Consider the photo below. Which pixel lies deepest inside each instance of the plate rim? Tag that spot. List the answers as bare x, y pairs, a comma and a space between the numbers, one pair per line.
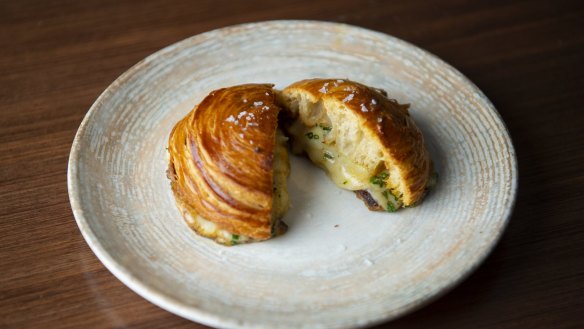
192, 313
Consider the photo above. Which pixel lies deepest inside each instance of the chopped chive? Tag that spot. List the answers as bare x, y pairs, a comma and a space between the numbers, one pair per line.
389, 195
325, 128
345, 182
390, 207
328, 156
234, 239
379, 179
311, 135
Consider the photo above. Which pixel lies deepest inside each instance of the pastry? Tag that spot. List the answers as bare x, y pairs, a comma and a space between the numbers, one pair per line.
228, 165
365, 141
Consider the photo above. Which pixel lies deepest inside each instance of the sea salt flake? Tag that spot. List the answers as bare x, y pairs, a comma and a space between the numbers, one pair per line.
245, 100
230, 119
241, 135
258, 103
379, 119
323, 90
267, 94
240, 115
373, 101
364, 108
340, 81
348, 98
251, 142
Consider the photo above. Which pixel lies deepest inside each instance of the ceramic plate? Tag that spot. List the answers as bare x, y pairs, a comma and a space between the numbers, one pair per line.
339, 265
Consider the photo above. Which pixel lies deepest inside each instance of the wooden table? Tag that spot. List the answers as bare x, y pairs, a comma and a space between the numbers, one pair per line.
56, 57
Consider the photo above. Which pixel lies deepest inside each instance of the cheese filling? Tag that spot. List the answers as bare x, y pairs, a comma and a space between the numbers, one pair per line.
319, 143
209, 229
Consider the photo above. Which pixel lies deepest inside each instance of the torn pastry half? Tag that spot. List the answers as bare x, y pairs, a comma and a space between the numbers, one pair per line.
228, 166
364, 140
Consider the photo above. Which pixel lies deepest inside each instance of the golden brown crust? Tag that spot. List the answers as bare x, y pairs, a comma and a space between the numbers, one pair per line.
386, 119
221, 159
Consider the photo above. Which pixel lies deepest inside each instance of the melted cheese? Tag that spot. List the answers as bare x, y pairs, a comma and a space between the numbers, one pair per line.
323, 152
209, 229
320, 146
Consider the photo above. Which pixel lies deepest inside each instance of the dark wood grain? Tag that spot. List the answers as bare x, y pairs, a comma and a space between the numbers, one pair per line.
56, 57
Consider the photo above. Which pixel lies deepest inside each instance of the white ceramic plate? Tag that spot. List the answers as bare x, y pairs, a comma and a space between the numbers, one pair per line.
339, 265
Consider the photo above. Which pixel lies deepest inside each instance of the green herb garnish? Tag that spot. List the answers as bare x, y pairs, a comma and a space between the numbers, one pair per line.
345, 182
325, 128
389, 193
390, 207
379, 179
376, 181
234, 239
311, 135
328, 156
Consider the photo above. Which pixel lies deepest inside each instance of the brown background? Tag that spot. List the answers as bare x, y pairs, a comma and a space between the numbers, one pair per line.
57, 57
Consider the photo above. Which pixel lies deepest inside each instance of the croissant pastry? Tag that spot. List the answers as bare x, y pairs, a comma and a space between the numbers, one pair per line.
228, 165
365, 141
